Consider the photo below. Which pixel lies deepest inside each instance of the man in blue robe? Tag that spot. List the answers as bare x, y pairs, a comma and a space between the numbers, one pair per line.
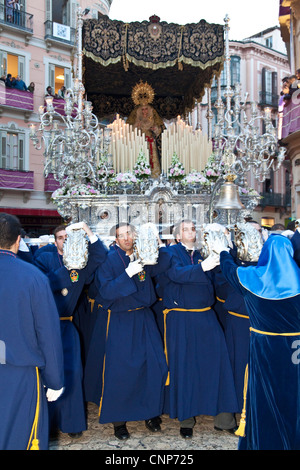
200, 375
31, 356
126, 369
68, 413
271, 290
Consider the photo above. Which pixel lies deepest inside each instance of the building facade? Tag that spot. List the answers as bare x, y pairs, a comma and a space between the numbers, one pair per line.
289, 18
38, 44
259, 64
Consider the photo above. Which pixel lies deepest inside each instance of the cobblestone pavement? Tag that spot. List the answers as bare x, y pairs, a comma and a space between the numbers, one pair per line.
101, 437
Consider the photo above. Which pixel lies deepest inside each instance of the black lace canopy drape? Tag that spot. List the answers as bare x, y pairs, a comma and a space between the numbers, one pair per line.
177, 61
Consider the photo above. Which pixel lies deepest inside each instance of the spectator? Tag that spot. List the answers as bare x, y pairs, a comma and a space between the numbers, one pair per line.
61, 92
17, 8
19, 84
49, 91
9, 10
31, 87
8, 81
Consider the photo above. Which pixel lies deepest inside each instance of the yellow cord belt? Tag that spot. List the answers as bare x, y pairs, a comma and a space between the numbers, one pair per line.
165, 312
241, 429
34, 440
103, 368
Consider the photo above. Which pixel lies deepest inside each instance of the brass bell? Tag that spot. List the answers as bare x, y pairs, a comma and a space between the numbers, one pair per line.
229, 197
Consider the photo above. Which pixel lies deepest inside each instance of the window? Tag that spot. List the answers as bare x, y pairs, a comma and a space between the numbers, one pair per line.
61, 12
269, 95
235, 75
12, 150
269, 42
58, 76
13, 64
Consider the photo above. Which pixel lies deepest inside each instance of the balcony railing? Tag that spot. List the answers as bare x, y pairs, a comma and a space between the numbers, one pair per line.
59, 32
291, 116
268, 99
275, 199
18, 19
14, 98
16, 179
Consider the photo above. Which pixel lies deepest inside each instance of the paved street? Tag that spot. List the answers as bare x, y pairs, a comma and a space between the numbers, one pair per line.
101, 437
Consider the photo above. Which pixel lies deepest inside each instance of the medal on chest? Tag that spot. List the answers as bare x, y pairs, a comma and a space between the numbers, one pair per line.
74, 276
142, 275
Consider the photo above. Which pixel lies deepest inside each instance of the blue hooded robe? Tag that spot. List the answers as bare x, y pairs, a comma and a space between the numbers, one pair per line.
126, 367
32, 355
68, 412
271, 291
200, 375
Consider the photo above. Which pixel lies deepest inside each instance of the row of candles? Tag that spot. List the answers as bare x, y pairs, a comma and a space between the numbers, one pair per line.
191, 146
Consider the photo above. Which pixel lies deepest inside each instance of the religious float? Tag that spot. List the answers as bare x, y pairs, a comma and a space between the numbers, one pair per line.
123, 149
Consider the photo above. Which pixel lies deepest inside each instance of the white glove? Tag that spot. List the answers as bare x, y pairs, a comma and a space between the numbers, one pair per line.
75, 226
210, 262
134, 267
53, 395
219, 246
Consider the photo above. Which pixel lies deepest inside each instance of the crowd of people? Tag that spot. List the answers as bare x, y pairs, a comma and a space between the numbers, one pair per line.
182, 335
16, 83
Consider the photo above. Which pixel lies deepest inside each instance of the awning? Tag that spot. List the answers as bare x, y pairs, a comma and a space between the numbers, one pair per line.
178, 61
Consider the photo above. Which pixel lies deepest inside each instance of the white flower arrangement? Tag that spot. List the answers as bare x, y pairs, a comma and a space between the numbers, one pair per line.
212, 170
77, 190
249, 192
195, 177
126, 177
142, 168
103, 170
83, 190
176, 171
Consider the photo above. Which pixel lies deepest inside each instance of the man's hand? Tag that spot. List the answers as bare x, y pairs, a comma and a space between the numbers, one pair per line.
210, 262
134, 267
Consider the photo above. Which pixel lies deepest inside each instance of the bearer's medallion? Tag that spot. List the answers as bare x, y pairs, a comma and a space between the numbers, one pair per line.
74, 276
142, 275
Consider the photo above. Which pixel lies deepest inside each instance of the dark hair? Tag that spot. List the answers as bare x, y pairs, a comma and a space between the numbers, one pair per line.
278, 227
177, 226
291, 225
58, 229
10, 229
113, 230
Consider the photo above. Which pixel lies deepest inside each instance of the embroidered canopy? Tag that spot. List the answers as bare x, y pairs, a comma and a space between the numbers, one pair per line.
178, 61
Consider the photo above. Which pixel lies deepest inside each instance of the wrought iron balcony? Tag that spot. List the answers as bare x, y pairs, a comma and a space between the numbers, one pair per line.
18, 20
268, 99
59, 33
277, 200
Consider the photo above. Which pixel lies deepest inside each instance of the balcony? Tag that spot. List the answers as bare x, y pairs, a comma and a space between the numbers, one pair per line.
268, 99
59, 106
291, 116
21, 22
16, 99
16, 179
277, 200
59, 33
51, 184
